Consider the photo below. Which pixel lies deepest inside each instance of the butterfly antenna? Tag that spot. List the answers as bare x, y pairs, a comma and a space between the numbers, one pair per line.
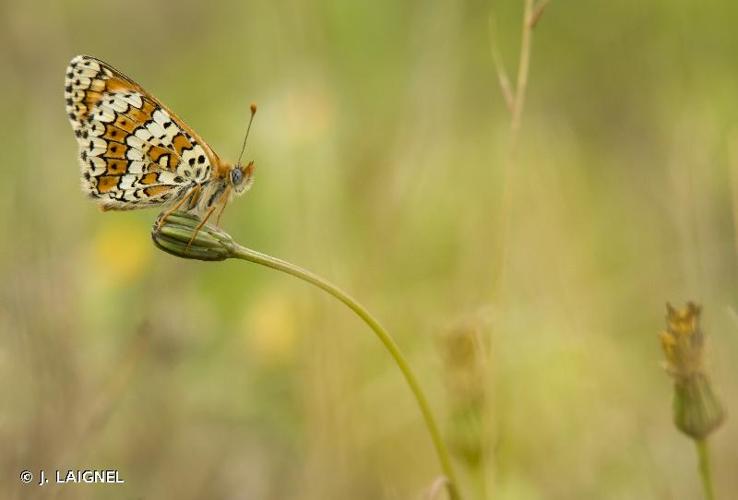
248, 129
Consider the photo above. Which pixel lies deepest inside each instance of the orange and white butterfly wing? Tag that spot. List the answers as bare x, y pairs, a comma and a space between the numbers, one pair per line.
133, 151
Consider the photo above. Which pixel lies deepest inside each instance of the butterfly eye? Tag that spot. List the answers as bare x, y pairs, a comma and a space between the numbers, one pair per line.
236, 176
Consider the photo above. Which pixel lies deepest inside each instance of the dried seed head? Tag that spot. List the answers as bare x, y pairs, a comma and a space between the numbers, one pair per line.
464, 353
697, 411
683, 341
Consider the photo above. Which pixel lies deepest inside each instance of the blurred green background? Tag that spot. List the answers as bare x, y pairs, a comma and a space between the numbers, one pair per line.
380, 146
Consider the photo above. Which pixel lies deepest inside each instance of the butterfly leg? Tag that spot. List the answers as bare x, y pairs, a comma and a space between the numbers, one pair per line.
223, 204
188, 196
201, 224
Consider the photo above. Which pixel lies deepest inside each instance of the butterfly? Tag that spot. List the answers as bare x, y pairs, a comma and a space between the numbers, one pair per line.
134, 152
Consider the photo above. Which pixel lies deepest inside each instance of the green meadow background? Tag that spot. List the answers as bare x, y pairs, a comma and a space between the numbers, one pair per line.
380, 144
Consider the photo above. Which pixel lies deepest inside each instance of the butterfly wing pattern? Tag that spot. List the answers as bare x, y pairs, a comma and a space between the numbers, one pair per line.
133, 151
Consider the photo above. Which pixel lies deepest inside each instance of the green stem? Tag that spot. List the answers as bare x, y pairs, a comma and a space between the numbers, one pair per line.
243, 253
703, 454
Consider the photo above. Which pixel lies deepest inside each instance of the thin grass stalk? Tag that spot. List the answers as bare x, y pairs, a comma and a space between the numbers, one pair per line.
515, 100
703, 455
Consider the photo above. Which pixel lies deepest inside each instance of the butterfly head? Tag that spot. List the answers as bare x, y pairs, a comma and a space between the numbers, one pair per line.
241, 177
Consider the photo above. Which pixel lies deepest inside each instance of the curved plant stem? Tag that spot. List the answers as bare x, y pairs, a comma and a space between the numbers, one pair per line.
183, 235
703, 454
247, 254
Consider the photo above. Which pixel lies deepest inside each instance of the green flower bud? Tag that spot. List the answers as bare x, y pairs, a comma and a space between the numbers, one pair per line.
180, 234
697, 411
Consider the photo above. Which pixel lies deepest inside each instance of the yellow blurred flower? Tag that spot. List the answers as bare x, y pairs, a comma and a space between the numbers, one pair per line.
121, 251
270, 331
